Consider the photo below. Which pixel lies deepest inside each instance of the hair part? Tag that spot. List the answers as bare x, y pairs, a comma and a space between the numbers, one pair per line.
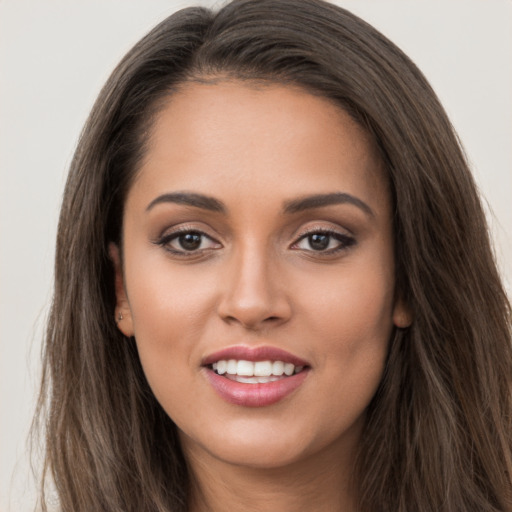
438, 432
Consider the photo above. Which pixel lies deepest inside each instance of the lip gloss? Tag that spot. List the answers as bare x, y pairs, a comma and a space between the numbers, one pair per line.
254, 394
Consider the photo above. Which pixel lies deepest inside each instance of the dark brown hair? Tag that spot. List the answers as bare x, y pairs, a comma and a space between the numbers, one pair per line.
438, 432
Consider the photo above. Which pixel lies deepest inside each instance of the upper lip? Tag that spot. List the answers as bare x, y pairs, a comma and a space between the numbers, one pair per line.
261, 353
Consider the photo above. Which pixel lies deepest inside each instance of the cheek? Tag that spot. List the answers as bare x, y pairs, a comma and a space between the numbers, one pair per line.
170, 308
351, 321
353, 305
358, 313
163, 295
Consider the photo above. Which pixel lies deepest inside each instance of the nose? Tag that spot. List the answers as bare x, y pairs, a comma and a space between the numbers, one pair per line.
253, 292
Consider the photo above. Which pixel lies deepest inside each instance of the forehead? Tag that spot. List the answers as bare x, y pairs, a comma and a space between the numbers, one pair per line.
260, 140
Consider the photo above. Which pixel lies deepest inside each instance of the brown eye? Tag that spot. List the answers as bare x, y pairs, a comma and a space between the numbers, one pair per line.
324, 242
319, 241
188, 242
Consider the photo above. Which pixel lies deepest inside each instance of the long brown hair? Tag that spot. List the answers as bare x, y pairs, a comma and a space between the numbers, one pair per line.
438, 432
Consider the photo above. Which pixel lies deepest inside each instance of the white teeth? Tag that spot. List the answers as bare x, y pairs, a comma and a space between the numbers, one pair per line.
263, 368
259, 371
246, 380
289, 368
277, 368
221, 367
264, 380
232, 366
252, 380
245, 368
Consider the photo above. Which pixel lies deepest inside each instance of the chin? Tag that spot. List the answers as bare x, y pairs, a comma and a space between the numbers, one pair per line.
260, 455
266, 444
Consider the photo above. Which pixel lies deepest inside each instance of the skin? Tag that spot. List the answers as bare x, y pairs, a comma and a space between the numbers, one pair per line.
257, 280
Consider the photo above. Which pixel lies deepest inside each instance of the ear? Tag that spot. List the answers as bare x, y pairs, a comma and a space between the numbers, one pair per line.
123, 314
402, 314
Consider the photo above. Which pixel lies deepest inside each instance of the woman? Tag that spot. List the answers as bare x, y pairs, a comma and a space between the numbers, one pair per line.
274, 284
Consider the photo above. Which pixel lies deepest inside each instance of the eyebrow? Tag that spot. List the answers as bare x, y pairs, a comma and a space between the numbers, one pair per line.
290, 207
189, 199
319, 200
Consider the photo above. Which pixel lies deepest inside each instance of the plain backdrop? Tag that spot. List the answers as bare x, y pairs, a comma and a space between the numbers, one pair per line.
54, 57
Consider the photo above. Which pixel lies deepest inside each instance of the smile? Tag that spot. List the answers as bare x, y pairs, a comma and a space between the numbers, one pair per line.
254, 376
258, 372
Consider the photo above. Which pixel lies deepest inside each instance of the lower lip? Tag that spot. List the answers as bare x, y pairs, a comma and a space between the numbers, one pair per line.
254, 395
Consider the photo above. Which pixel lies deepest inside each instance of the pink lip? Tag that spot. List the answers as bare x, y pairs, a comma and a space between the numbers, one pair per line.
254, 395
264, 353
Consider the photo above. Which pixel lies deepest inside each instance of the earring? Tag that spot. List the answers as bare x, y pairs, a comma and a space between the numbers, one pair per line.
119, 318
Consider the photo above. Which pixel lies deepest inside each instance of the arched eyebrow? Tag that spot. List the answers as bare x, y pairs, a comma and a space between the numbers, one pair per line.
189, 199
320, 200
293, 206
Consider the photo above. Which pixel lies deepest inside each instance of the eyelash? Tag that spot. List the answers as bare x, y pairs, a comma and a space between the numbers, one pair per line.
345, 242
165, 241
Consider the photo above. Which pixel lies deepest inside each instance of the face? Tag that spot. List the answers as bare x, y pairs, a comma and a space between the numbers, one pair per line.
258, 272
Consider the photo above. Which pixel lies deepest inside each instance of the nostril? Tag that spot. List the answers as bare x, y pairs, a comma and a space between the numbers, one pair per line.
254, 311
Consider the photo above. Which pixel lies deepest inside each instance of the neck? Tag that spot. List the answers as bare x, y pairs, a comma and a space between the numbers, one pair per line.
321, 482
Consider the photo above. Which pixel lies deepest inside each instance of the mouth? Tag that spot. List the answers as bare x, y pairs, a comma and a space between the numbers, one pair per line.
255, 377
255, 372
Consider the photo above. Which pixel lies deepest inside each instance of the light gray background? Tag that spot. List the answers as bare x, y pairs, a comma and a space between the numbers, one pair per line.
54, 57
